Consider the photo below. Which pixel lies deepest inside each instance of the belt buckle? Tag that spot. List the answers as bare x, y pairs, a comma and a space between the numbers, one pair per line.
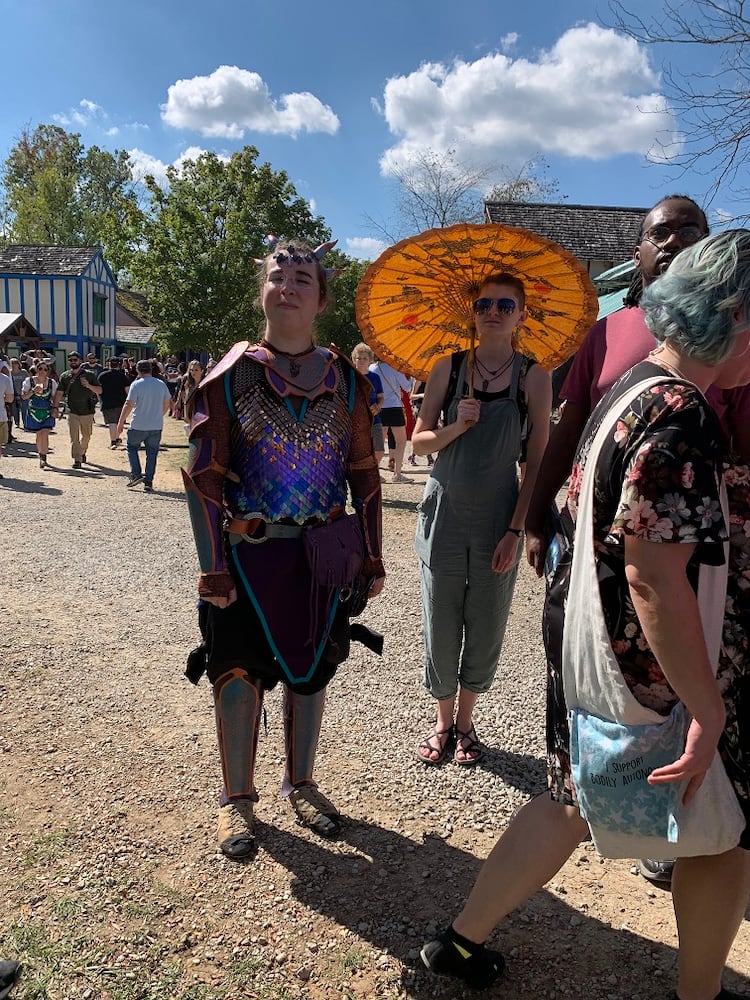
253, 539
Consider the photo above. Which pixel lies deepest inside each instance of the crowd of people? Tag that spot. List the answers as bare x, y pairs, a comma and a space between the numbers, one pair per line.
656, 411
657, 479
654, 442
36, 397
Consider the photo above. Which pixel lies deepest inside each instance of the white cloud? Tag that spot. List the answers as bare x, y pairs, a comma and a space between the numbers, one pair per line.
195, 152
87, 114
143, 163
592, 95
365, 248
232, 101
82, 115
508, 42
313, 205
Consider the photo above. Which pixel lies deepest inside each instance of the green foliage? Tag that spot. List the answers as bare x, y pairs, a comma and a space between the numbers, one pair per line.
338, 324
135, 303
196, 265
46, 846
55, 192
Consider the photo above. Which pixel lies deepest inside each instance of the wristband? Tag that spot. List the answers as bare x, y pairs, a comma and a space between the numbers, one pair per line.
515, 531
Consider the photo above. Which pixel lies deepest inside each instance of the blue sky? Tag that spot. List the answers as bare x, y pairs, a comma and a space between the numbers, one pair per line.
338, 94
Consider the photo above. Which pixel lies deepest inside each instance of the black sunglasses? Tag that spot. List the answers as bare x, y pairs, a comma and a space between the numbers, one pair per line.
504, 306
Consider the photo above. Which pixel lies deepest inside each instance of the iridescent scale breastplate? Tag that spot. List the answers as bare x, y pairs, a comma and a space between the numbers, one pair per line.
289, 453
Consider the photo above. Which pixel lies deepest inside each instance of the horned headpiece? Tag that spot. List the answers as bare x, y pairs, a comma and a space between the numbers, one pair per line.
292, 255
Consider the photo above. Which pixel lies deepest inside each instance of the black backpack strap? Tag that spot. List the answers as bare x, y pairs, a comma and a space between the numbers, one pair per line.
457, 360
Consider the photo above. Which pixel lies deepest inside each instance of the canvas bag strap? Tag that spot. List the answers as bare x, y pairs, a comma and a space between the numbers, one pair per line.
395, 389
592, 678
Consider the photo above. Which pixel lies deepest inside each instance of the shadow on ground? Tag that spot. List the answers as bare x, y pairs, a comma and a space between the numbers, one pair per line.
380, 894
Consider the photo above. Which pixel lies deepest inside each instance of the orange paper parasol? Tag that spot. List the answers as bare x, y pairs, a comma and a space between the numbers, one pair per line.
414, 303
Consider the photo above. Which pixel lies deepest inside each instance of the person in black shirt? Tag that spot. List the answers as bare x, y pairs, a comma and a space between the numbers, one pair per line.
114, 383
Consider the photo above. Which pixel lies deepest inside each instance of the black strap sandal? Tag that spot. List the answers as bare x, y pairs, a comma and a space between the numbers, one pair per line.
467, 743
442, 749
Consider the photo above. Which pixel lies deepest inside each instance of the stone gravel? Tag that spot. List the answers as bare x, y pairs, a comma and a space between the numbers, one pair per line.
112, 882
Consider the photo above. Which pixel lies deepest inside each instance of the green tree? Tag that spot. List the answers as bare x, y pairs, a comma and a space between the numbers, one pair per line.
56, 192
202, 233
338, 324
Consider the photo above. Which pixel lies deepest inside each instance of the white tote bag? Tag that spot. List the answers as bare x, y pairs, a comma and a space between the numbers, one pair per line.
613, 789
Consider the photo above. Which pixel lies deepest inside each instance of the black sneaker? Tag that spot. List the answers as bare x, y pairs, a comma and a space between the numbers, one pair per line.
148, 488
77, 465
133, 481
446, 957
658, 872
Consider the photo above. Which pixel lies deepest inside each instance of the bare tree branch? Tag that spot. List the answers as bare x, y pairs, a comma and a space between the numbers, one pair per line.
437, 190
714, 107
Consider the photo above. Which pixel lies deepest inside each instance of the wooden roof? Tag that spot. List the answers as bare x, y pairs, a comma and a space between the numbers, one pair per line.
136, 335
20, 258
14, 327
589, 232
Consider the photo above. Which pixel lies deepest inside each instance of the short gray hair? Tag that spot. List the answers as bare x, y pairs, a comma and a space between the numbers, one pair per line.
144, 365
693, 304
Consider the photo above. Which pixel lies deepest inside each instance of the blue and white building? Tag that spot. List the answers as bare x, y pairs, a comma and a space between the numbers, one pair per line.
68, 294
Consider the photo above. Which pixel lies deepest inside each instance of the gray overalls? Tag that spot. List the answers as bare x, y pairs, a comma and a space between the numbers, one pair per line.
467, 506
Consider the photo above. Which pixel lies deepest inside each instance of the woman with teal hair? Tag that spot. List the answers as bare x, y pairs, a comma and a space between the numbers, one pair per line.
657, 517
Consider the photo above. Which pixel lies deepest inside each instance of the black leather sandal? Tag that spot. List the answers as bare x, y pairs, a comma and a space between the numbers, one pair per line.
472, 745
442, 749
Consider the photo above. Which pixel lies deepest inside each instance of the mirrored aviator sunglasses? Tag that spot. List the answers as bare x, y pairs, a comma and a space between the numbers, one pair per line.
504, 306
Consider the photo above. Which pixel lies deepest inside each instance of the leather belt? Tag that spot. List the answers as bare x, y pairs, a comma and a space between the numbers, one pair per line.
256, 529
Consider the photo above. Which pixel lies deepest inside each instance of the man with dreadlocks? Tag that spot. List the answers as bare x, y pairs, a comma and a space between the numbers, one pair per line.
612, 347
279, 430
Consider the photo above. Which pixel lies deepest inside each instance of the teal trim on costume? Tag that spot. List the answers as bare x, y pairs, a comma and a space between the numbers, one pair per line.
299, 417
352, 388
269, 637
228, 393
201, 533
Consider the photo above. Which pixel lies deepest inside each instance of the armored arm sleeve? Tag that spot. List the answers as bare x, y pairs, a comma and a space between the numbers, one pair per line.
364, 480
204, 486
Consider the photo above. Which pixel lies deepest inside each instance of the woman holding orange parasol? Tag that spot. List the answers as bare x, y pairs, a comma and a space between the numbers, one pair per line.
472, 514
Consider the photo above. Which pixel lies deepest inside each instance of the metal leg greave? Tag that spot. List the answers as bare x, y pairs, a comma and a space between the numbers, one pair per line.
238, 700
303, 718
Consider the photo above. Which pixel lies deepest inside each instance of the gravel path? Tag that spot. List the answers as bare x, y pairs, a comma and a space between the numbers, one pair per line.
113, 886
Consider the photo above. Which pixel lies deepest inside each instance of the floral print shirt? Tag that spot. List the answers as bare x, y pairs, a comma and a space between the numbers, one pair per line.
657, 478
